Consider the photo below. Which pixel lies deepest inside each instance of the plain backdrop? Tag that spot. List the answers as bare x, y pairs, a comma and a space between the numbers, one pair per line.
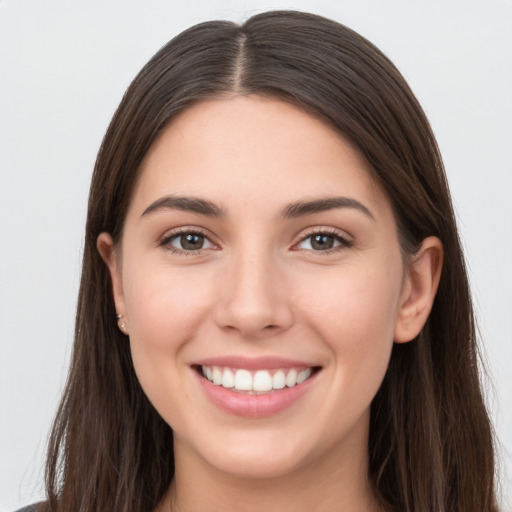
63, 68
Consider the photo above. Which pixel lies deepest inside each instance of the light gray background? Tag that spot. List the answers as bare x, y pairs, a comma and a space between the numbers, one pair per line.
63, 68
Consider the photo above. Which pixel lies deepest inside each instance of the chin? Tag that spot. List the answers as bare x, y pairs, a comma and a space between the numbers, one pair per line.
262, 455
258, 466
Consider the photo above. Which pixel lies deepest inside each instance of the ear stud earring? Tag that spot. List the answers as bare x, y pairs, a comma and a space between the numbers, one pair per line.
122, 324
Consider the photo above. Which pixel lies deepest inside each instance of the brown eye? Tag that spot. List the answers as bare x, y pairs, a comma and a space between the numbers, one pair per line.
188, 241
323, 242
191, 242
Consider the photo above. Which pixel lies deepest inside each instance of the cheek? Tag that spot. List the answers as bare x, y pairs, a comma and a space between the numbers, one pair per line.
165, 305
361, 303
165, 309
354, 312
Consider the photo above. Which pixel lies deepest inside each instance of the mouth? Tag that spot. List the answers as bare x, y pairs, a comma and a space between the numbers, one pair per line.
255, 387
256, 382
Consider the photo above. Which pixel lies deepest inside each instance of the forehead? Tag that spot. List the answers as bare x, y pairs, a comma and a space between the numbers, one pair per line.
250, 151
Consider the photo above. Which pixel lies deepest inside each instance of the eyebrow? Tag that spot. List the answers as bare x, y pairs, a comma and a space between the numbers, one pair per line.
293, 210
187, 204
302, 208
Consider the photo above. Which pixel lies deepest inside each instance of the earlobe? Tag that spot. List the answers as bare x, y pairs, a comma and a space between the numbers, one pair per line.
107, 251
419, 289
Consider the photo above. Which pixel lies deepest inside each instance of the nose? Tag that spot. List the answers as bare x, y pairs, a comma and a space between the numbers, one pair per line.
253, 299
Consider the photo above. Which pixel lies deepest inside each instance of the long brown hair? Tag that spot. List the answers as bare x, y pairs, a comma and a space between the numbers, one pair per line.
430, 438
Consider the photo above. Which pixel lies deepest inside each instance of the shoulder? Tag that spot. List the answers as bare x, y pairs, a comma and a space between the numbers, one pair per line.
29, 508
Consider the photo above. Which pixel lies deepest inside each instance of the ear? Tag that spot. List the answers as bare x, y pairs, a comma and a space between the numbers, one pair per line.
107, 250
419, 289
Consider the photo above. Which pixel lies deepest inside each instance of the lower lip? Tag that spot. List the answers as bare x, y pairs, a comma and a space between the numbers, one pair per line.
266, 404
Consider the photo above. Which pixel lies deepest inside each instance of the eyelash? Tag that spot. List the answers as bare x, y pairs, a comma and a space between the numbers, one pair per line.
344, 243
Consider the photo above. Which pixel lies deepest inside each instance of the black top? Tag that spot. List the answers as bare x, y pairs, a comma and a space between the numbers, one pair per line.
29, 508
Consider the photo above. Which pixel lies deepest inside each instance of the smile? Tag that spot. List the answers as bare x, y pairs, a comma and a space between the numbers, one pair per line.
255, 387
256, 382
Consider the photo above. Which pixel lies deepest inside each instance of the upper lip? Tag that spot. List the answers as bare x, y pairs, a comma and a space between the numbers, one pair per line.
253, 363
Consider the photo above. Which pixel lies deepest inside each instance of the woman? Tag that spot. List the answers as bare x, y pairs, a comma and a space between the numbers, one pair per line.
274, 311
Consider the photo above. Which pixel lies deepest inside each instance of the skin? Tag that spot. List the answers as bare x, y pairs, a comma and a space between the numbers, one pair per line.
258, 287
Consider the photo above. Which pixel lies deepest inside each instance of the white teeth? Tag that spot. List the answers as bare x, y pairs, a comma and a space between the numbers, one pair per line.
279, 380
243, 380
216, 376
291, 378
228, 379
303, 375
261, 381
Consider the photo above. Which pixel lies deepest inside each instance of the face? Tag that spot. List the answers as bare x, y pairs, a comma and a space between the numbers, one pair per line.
262, 285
